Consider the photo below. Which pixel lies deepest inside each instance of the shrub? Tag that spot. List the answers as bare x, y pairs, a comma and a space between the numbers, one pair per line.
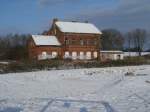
26, 65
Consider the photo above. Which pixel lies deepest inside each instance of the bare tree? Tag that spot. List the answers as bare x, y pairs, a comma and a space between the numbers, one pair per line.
139, 39
13, 46
112, 39
129, 40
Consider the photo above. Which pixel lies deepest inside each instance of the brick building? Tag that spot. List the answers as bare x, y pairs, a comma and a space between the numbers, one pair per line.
64, 40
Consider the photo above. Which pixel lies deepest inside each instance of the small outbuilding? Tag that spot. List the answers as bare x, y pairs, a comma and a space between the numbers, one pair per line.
111, 55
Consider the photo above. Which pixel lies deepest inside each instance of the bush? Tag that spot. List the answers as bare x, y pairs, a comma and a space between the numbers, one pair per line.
26, 66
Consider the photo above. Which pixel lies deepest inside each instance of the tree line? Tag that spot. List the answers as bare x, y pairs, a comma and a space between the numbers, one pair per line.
134, 40
14, 46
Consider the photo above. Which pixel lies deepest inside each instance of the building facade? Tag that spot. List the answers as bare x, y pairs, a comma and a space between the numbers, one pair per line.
66, 40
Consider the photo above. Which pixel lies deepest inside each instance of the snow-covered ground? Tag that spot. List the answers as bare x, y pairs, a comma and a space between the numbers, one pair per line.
80, 90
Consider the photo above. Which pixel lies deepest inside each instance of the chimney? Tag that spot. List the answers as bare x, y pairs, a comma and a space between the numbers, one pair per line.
55, 20
54, 26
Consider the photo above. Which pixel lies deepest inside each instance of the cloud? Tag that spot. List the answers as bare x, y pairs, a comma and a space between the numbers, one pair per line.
126, 15
47, 2
134, 6
123, 15
56, 2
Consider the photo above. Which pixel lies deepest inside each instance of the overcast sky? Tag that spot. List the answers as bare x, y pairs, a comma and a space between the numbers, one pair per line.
34, 16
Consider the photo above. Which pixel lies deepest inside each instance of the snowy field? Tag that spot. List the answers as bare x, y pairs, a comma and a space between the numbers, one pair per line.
80, 90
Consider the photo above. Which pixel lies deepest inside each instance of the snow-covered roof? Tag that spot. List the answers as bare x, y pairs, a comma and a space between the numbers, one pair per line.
45, 40
111, 51
76, 27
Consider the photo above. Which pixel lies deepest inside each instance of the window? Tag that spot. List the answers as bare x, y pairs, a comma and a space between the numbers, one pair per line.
43, 56
81, 55
54, 54
95, 42
74, 55
95, 54
66, 54
66, 41
88, 55
87, 42
75, 42
44, 53
81, 42
91, 42
72, 41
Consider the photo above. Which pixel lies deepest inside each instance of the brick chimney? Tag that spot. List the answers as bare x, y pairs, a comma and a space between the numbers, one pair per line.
55, 20
54, 26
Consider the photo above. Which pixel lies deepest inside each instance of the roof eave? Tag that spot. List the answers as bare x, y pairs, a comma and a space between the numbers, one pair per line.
82, 33
49, 45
